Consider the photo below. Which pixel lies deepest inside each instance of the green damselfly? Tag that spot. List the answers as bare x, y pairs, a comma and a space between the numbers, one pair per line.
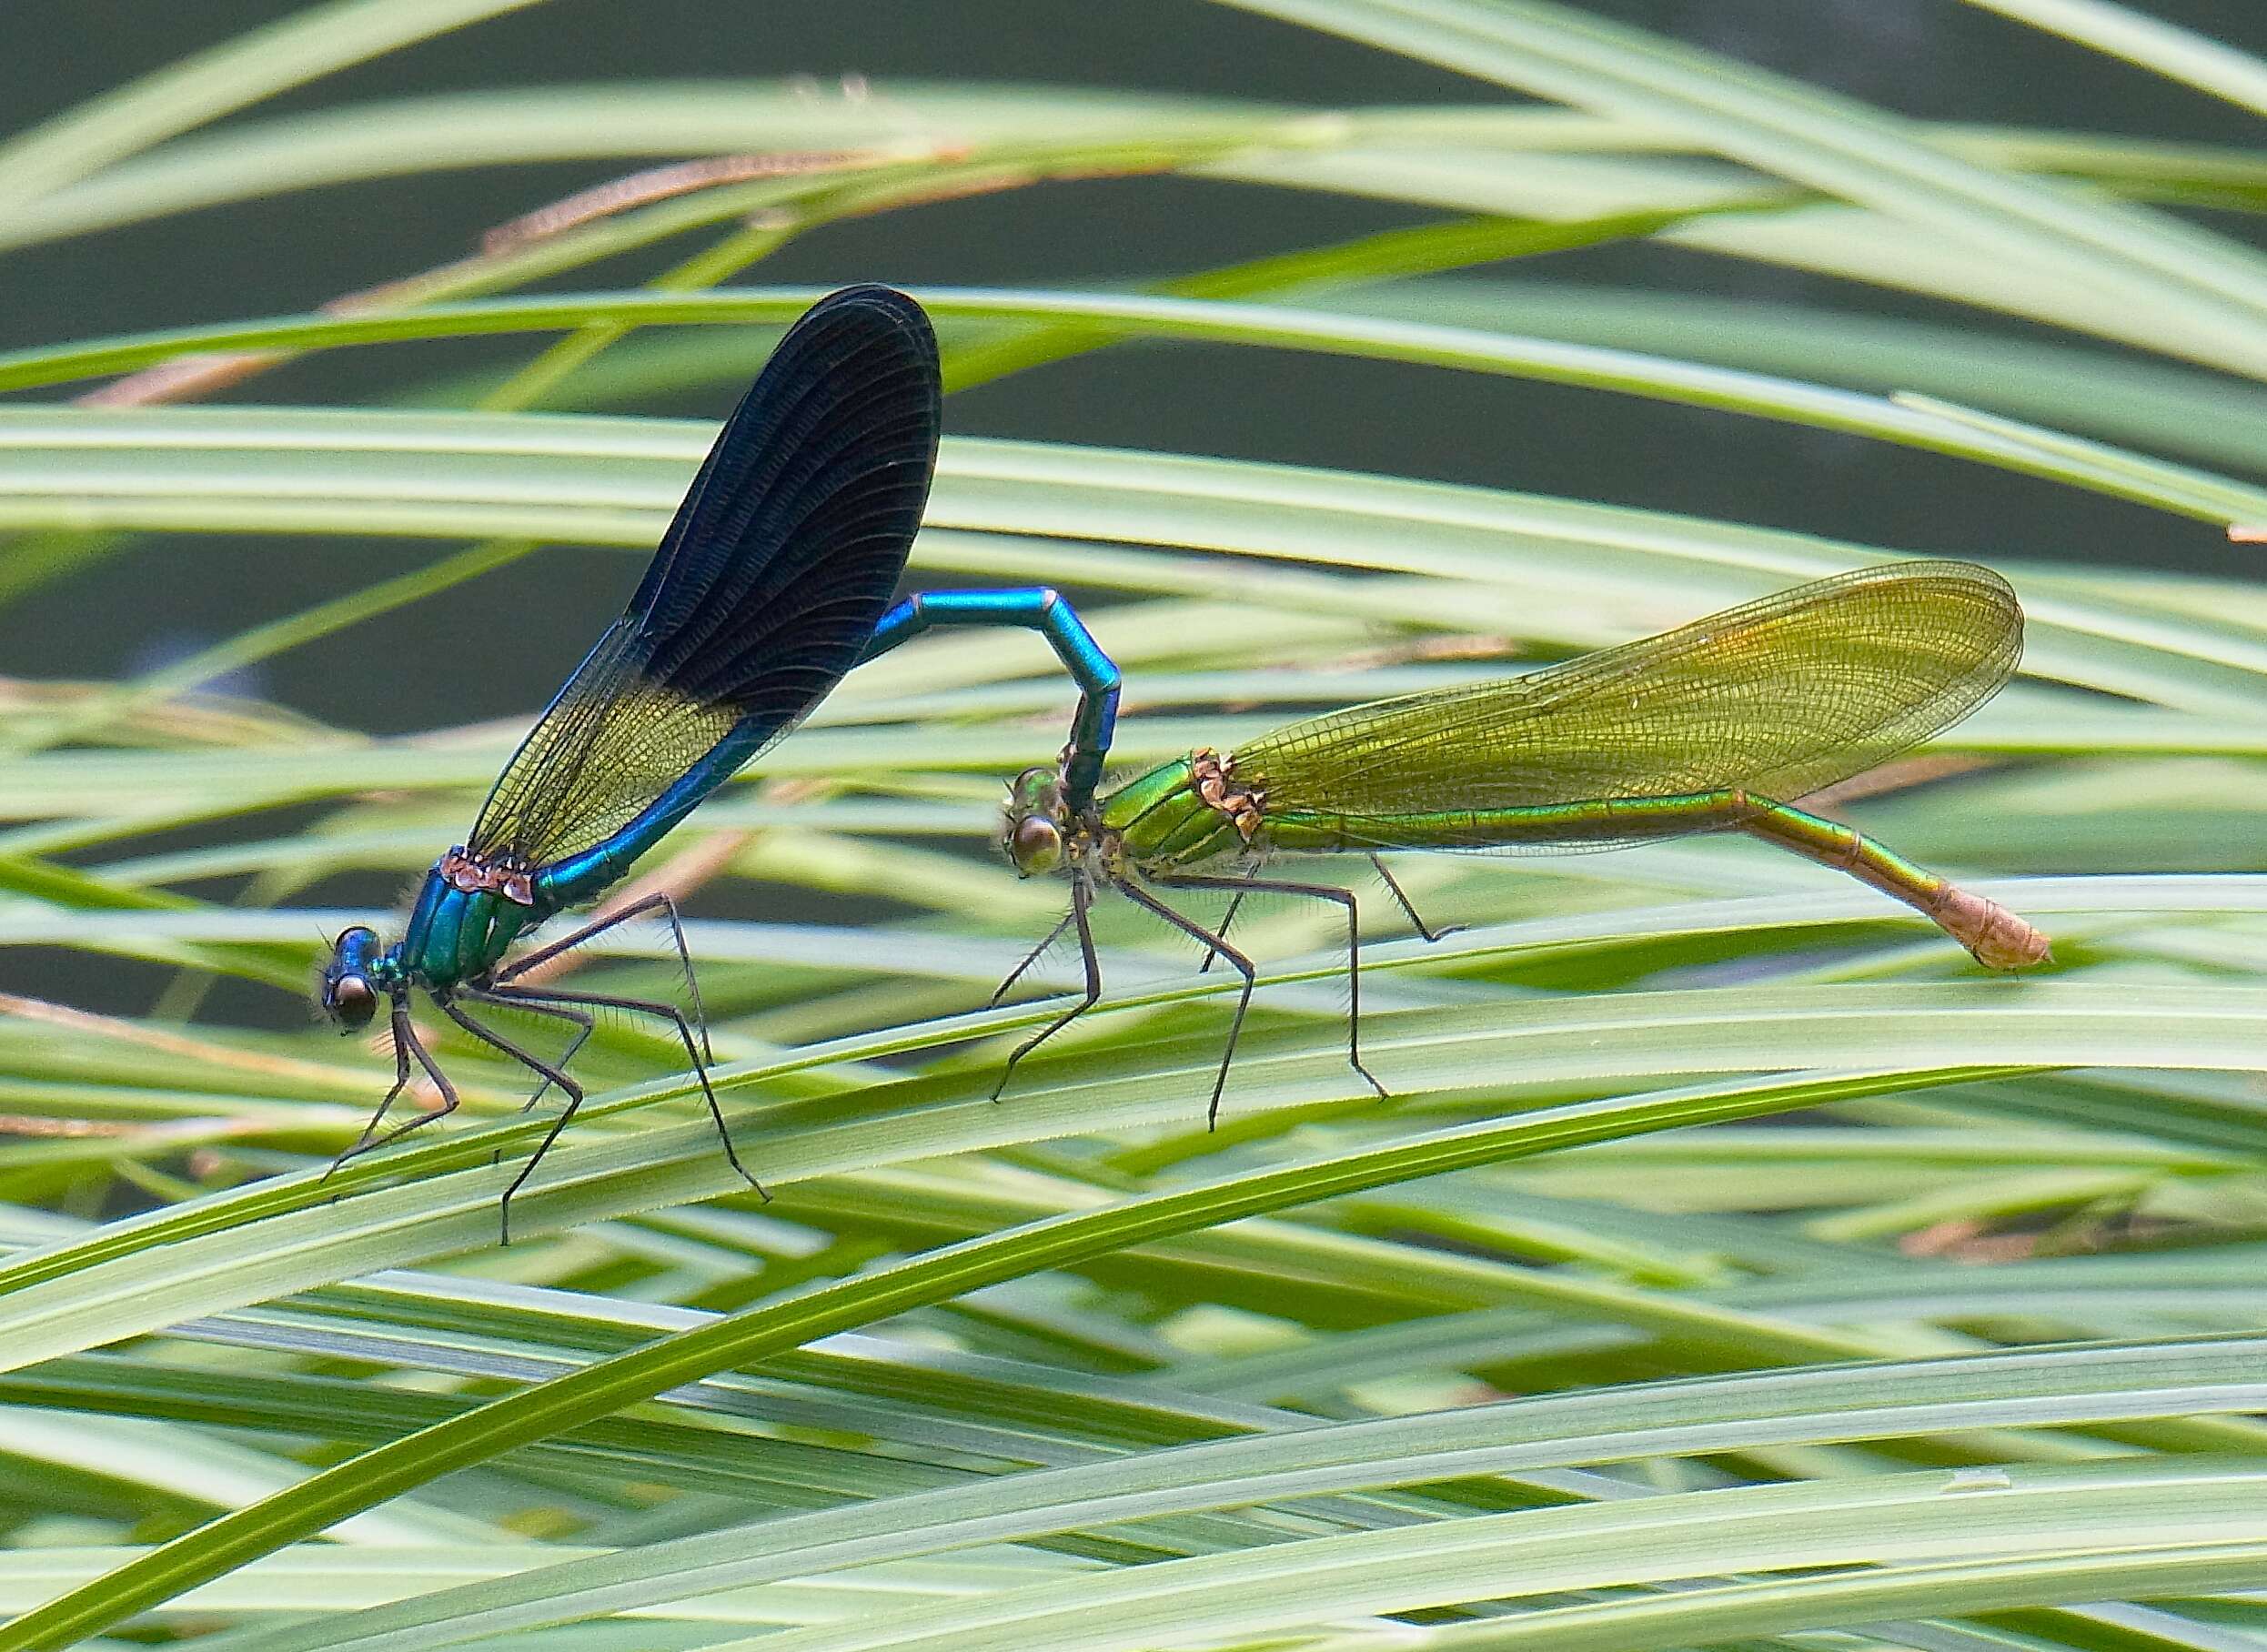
1716, 726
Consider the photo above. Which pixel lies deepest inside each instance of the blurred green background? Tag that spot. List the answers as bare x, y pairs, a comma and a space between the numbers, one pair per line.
1694, 1111
1934, 59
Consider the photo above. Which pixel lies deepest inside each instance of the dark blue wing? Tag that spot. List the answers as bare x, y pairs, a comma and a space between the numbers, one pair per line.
765, 588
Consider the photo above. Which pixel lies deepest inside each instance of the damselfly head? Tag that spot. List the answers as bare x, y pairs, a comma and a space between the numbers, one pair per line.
349, 997
1036, 821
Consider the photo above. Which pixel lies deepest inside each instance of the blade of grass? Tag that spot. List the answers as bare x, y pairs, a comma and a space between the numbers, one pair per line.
1813, 1405
219, 80
2020, 1521
2151, 42
1392, 255
2166, 409
1836, 145
386, 1470
1897, 1589
1209, 321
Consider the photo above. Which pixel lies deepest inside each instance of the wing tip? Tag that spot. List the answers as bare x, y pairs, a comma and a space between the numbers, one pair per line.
900, 309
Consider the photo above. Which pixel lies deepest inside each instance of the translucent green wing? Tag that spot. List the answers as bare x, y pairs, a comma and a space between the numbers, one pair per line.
612, 742
1781, 696
767, 586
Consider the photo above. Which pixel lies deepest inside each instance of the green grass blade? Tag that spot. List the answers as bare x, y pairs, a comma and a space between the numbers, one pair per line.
2163, 409
1815, 1406
1894, 1590
1209, 321
312, 42
2179, 54
2025, 1517
598, 1390
1832, 144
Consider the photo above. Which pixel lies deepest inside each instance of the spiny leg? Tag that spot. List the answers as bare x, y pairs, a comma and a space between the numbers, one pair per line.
1236, 961
1081, 897
657, 901
642, 1006
495, 1039
584, 1025
1424, 930
1236, 904
401, 1083
1030, 957
1319, 892
1428, 934
406, 1046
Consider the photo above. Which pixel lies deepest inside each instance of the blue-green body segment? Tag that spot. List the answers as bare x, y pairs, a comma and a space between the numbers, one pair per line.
1037, 609
456, 935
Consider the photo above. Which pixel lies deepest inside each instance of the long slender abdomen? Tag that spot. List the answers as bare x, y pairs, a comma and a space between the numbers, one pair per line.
1998, 938
1607, 820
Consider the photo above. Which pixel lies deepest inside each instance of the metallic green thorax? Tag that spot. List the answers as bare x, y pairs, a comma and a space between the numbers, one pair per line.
1158, 822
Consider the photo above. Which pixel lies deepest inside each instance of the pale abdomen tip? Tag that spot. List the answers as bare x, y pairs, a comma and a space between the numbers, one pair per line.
1998, 938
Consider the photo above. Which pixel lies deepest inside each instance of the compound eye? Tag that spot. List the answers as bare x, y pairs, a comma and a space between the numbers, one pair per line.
1033, 789
1035, 846
351, 1002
